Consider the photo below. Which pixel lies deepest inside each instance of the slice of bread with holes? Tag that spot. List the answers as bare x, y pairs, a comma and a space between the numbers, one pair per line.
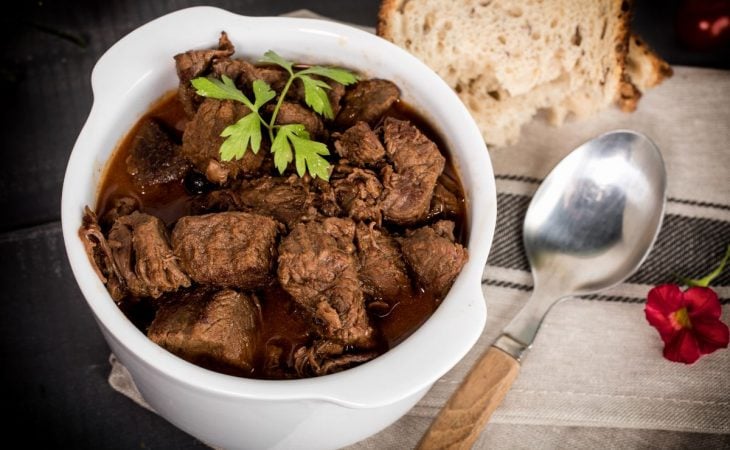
510, 59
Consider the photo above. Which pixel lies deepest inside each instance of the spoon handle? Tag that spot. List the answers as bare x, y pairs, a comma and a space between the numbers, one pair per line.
461, 420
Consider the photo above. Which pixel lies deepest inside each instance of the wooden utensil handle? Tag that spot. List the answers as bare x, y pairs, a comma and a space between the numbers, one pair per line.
459, 423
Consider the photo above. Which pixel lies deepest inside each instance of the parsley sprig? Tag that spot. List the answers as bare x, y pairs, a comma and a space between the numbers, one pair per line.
289, 142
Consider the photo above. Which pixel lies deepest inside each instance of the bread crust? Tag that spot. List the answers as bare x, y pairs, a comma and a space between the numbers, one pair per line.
387, 7
627, 96
640, 53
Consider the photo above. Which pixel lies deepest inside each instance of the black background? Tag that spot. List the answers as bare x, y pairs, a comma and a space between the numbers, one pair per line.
54, 360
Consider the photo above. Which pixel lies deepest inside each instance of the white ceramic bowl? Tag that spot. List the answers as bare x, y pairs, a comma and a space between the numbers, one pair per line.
325, 412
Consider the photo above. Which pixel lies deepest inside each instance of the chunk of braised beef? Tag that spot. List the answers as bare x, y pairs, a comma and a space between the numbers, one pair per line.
287, 200
143, 257
202, 141
324, 357
367, 101
325, 200
100, 255
358, 192
382, 269
239, 71
243, 74
121, 206
360, 145
444, 203
319, 269
290, 113
195, 63
275, 76
154, 158
417, 164
433, 256
231, 249
215, 329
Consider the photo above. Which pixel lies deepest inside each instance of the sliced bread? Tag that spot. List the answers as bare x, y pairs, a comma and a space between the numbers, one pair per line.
510, 59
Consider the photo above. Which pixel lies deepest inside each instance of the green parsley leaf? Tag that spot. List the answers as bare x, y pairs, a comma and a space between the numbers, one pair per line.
220, 90
274, 58
239, 135
341, 76
308, 153
316, 97
281, 148
262, 93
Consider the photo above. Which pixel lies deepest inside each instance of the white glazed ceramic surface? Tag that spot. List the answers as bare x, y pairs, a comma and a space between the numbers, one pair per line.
324, 412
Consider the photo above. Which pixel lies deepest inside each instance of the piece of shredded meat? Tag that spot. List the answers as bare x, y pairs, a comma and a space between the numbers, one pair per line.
100, 255
195, 63
326, 357
143, 257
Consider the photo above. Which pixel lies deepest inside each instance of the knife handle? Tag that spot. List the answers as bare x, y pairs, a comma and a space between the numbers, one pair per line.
463, 417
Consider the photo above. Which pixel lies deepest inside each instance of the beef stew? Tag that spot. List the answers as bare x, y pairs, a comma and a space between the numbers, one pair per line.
242, 269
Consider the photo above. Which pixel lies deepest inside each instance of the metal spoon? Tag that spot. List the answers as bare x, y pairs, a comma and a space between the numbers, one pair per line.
589, 226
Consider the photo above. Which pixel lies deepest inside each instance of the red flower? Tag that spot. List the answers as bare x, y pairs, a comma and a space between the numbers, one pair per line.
688, 321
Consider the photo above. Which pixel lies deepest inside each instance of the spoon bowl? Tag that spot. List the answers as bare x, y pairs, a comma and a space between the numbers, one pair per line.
596, 215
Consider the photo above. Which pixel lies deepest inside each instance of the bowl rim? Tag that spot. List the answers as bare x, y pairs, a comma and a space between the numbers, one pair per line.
463, 321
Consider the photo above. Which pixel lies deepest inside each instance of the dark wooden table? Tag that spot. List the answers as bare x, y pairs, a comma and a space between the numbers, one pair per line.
54, 360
